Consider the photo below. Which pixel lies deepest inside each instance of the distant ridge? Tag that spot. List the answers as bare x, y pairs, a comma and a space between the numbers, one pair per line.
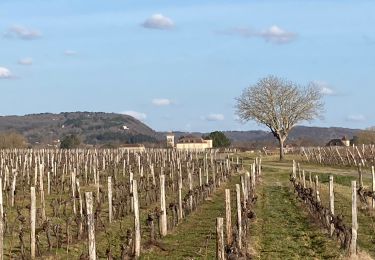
318, 135
301, 135
94, 128
99, 128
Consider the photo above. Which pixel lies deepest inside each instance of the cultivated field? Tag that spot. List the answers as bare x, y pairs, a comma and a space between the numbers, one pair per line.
117, 204
165, 204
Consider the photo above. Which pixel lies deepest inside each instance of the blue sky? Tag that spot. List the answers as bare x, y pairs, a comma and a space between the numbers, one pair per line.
178, 65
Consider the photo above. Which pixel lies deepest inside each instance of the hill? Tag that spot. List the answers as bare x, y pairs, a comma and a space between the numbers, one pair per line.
94, 128
98, 128
322, 135
300, 135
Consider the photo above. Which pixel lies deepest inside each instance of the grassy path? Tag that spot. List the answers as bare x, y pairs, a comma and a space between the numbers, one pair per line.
282, 229
196, 237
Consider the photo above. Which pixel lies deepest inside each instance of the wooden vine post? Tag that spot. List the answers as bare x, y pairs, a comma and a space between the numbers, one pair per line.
220, 251
316, 186
90, 225
331, 203
239, 216
73, 180
304, 179
190, 190
244, 189
214, 178
80, 227
137, 225
41, 190
180, 213
200, 177
163, 207
13, 186
373, 184
98, 186
353, 243
130, 190
228, 217
253, 180
48, 183
110, 199
32, 221
294, 171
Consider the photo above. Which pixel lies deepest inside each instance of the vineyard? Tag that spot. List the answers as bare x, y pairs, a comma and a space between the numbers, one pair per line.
116, 204
169, 204
343, 156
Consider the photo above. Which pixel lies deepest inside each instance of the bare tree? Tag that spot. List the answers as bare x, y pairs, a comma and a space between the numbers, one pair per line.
279, 104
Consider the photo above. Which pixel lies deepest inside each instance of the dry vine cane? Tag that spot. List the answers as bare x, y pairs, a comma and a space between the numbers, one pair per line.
322, 214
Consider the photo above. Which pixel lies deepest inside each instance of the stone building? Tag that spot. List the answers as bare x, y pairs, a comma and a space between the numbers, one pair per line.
339, 142
189, 142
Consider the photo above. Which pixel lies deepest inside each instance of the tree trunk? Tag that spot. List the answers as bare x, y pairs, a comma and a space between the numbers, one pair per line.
281, 141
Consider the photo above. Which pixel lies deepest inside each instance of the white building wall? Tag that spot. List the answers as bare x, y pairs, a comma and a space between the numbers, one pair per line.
192, 146
209, 143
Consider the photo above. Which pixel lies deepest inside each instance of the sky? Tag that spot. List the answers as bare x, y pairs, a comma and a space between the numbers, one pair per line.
179, 65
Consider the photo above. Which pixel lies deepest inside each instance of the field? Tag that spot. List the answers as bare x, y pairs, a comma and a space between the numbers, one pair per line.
125, 203
131, 191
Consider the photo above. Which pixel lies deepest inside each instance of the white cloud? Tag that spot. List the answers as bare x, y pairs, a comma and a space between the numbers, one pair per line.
70, 53
158, 21
161, 102
25, 61
214, 117
273, 34
22, 32
277, 35
356, 118
137, 115
327, 91
5, 73
324, 88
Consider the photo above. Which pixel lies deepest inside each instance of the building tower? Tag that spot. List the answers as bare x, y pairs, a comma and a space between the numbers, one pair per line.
345, 141
170, 140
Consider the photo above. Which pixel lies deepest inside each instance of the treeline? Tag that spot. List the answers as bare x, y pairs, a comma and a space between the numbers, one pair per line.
12, 140
364, 137
111, 137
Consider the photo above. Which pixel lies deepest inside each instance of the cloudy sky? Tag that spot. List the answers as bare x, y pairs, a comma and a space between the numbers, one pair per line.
178, 65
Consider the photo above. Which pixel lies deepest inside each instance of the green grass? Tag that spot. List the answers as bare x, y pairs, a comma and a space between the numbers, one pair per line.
195, 238
282, 230
342, 189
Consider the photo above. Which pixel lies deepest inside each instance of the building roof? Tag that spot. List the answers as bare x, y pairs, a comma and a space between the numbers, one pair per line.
191, 139
335, 142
